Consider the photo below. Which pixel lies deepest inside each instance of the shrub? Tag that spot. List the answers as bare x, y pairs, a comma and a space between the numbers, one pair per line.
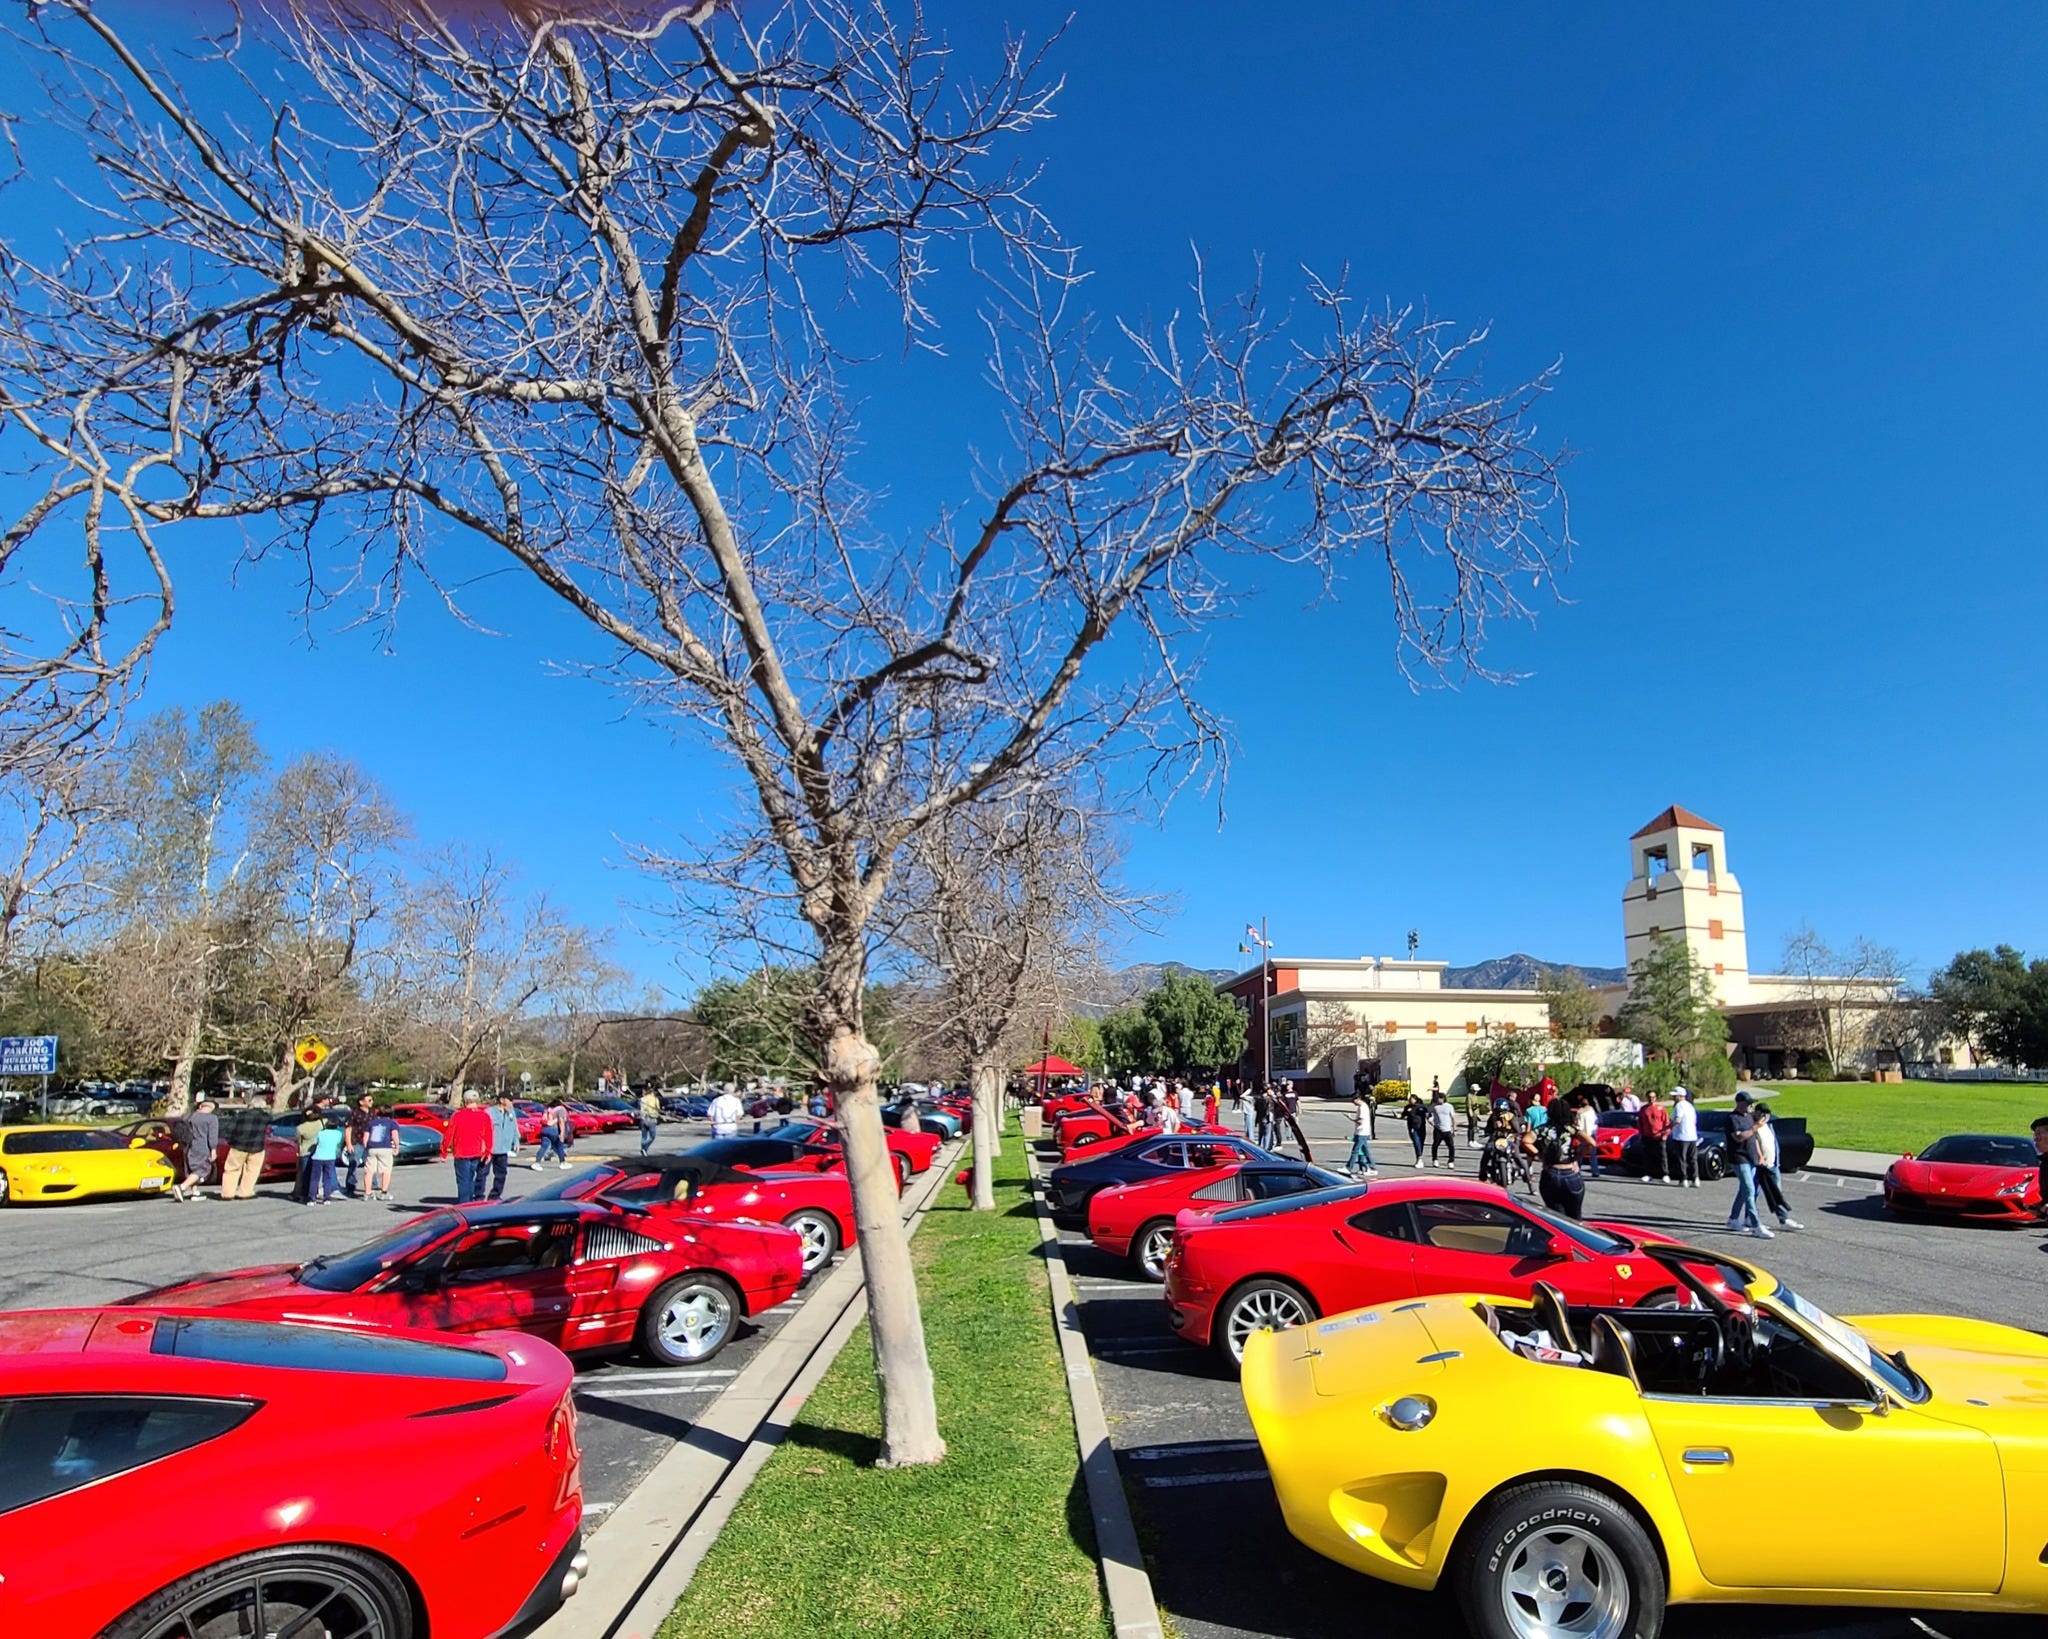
1657, 1076
1711, 1076
1569, 1074
1390, 1091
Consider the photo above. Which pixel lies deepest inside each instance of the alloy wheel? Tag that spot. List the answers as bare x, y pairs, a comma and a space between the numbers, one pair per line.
819, 1239
695, 1322
1564, 1583
302, 1602
1270, 1309
1153, 1250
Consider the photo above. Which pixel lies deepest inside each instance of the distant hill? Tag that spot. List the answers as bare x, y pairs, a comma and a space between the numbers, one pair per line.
1128, 983
1520, 972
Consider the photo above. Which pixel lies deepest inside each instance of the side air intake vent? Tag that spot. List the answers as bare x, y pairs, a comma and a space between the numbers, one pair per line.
606, 1242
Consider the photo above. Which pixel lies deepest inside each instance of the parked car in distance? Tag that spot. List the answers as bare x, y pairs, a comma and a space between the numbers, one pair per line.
1620, 1147
46, 1166
584, 1276
1136, 1221
1979, 1176
113, 1416
817, 1205
166, 1135
1072, 1183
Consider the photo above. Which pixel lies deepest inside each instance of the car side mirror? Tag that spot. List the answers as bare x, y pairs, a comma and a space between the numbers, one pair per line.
1907, 1156
1561, 1246
138, 1143
419, 1279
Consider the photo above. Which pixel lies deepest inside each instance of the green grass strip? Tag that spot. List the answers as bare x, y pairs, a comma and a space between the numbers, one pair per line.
995, 1542
1890, 1118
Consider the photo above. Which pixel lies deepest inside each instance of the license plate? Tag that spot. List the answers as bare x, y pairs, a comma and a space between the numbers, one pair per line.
152, 1183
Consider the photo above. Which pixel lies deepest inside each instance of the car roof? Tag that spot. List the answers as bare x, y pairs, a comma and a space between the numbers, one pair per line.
705, 1169
501, 1212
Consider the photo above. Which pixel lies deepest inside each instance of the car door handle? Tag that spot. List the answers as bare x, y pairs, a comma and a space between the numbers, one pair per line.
1709, 1457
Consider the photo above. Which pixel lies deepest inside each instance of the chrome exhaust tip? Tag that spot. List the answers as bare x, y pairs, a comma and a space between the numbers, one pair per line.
572, 1578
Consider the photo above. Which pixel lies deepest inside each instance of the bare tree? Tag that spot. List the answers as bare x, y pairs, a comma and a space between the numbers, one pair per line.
477, 955
51, 819
1846, 993
179, 888
328, 869
1006, 907
585, 297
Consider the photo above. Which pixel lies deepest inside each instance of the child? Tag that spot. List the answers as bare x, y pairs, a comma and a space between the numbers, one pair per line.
324, 1185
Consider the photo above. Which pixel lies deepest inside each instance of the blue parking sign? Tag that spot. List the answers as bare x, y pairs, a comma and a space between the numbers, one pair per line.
28, 1055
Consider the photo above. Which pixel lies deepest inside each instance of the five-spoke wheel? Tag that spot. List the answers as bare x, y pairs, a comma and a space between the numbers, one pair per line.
690, 1320
1558, 1561
820, 1236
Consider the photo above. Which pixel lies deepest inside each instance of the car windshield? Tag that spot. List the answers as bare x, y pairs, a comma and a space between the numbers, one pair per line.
1977, 1150
1617, 1118
802, 1132
1292, 1203
59, 1142
347, 1271
1593, 1240
1891, 1370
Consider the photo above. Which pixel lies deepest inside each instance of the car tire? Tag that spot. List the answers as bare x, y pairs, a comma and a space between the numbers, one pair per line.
821, 1236
1149, 1248
1554, 1558
1086, 1139
690, 1319
363, 1594
1258, 1306
1713, 1164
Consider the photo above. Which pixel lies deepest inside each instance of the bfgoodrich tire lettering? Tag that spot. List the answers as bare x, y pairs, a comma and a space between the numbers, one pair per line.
319, 1589
1558, 1561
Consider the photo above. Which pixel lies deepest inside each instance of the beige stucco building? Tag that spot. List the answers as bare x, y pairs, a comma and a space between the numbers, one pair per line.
1327, 1015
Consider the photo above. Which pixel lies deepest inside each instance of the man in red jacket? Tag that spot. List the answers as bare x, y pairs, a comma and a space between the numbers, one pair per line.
469, 1138
1653, 1122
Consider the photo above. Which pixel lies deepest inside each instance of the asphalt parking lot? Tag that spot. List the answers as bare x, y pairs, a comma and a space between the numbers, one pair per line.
99, 1252
1223, 1565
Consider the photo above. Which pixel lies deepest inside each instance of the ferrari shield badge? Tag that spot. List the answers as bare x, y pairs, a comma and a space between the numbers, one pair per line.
1624, 1270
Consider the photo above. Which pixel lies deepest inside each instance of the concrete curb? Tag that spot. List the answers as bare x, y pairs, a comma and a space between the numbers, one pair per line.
644, 1554
1132, 1610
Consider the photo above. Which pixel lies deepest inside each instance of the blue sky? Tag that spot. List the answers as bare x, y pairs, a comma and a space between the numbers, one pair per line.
1793, 263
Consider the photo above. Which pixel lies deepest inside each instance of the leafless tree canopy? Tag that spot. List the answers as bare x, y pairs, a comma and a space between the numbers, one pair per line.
411, 300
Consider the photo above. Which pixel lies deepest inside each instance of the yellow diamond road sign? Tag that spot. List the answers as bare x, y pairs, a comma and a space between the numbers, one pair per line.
311, 1052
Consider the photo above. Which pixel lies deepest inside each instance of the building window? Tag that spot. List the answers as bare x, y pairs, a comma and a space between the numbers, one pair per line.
1718, 970
1655, 862
1651, 891
1430, 1028
1703, 857
1713, 930
1471, 1027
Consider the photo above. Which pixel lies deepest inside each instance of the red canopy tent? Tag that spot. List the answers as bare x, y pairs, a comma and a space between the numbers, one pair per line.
1052, 1065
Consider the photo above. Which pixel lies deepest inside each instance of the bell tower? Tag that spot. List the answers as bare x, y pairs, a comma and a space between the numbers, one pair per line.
1682, 888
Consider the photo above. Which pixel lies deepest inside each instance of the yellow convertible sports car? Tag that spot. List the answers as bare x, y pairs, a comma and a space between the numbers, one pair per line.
41, 1164
1567, 1471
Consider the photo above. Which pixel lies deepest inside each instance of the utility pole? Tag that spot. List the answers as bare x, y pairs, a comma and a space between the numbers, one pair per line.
1265, 1004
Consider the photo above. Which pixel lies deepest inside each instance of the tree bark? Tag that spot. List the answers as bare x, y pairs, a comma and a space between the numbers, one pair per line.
180, 1098
281, 1083
850, 1067
985, 1081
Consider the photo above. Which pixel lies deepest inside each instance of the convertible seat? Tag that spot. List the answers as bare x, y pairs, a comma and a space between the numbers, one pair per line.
1613, 1350
1548, 1305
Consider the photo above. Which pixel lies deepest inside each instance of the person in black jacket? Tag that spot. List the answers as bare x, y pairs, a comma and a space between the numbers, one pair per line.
243, 1127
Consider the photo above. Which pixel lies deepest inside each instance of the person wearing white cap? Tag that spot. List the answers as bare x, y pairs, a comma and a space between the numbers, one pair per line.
1685, 1140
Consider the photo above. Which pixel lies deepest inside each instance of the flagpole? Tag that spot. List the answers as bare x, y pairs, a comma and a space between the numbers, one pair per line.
1265, 1006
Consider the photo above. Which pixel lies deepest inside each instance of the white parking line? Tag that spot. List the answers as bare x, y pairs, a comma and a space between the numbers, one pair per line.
650, 1393
694, 1374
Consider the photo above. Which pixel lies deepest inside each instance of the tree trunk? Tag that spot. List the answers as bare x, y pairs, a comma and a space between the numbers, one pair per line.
180, 1099
281, 1083
982, 1078
850, 1067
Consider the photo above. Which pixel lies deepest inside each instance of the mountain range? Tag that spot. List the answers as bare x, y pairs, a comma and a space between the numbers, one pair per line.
1517, 972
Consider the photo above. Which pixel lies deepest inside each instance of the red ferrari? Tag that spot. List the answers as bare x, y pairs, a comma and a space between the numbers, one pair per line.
916, 1148
1280, 1263
1968, 1175
817, 1205
584, 1276
167, 1138
1090, 1127
457, 1512
1136, 1221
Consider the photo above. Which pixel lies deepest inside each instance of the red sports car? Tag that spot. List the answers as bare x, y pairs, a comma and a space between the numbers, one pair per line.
669, 1188
599, 1118
916, 1148
583, 1276
1136, 1221
167, 1138
462, 1520
1060, 1104
1968, 1175
1279, 1263
1079, 1131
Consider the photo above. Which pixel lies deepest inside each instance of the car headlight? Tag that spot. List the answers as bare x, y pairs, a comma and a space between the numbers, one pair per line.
2019, 1188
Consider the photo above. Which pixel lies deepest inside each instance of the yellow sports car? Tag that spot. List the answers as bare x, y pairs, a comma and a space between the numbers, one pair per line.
1567, 1471
41, 1164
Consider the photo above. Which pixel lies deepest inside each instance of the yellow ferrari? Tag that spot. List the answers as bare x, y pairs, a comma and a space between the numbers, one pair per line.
44, 1164
1569, 1471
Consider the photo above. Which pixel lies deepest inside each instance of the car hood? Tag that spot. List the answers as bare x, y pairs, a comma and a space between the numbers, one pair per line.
1989, 1376
1957, 1177
221, 1290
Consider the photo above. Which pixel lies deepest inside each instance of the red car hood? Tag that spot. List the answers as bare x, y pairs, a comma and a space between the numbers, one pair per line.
1958, 1177
214, 1291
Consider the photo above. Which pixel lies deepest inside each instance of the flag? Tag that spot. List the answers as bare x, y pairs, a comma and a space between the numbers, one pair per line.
1252, 935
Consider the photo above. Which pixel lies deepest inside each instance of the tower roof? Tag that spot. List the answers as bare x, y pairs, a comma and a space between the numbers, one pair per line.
1672, 818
